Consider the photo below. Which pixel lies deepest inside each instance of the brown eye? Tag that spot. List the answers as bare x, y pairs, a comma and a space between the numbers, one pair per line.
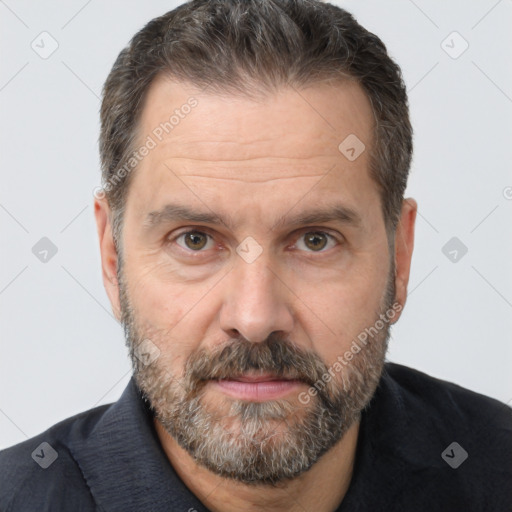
315, 241
193, 240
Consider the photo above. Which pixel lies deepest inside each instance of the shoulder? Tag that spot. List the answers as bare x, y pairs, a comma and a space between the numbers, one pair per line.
460, 441
43, 467
452, 446
455, 404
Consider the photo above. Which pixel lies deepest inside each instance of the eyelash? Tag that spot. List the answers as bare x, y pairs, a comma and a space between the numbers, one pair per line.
206, 232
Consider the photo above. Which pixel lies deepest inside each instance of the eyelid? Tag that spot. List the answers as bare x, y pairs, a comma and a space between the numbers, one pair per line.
189, 229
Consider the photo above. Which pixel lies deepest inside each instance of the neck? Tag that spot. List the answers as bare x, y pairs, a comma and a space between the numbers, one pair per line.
322, 488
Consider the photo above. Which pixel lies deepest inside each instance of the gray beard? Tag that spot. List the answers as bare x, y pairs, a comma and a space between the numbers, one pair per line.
256, 442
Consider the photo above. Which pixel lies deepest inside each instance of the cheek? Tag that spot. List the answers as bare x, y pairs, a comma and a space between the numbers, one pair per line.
174, 315
155, 299
341, 309
161, 317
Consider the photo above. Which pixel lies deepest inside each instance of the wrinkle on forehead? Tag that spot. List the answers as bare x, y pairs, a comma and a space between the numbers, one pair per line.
246, 180
257, 170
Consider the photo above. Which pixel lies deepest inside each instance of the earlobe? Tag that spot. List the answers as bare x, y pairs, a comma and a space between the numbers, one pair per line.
108, 252
404, 245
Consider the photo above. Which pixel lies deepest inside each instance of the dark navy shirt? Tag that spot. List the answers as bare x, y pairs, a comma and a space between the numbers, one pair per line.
424, 445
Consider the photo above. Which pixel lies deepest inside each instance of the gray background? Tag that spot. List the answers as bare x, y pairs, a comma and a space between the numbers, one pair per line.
61, 350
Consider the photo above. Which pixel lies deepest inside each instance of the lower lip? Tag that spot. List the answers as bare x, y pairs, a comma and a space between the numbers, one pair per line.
257, 391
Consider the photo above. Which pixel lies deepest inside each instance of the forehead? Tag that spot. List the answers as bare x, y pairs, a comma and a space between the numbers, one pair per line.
321, 115
211, 147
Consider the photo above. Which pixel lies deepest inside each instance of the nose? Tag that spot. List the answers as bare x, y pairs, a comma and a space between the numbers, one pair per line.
256, 303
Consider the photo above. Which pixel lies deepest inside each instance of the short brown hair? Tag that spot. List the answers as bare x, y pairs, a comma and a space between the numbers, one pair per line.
235, 46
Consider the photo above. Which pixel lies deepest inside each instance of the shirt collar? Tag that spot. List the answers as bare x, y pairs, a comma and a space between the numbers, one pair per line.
124, 464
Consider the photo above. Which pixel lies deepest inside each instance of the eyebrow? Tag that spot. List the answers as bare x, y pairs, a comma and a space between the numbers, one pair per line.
179, 213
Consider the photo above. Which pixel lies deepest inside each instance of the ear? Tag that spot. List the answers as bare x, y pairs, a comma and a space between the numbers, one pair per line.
109, 259
404, 244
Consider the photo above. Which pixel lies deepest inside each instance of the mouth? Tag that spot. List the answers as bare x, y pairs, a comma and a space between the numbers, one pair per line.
257, 387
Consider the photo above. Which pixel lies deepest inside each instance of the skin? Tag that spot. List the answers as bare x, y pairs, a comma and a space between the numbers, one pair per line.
257, 162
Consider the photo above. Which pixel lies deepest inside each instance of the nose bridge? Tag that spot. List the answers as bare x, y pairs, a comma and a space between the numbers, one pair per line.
255, 304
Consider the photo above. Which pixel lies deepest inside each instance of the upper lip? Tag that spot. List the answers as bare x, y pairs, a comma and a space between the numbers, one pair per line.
265, 377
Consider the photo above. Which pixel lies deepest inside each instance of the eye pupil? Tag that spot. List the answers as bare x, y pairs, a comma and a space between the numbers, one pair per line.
316, 241
195, 240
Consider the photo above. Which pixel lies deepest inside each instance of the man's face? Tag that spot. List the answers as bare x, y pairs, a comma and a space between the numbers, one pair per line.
243, 314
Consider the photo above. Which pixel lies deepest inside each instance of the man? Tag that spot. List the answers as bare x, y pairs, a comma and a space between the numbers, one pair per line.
256, 248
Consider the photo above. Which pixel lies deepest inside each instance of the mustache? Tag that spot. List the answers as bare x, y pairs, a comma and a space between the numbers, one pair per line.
235, 358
